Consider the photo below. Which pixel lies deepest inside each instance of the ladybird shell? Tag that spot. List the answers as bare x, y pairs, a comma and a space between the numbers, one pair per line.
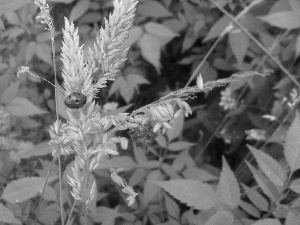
75, 100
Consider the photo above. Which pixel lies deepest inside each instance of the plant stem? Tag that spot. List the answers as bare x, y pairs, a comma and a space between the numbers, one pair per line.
60, 192
72, 209
42, 194
286, 72
225, 31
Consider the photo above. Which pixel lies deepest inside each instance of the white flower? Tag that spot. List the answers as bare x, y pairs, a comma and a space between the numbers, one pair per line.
110, 106
294, 98
227, 101
269, 117
200, 82
256, 134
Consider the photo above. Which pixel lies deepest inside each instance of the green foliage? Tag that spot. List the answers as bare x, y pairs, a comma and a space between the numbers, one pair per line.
172, 163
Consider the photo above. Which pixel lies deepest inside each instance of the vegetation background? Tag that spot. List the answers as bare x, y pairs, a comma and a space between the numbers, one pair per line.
235, 160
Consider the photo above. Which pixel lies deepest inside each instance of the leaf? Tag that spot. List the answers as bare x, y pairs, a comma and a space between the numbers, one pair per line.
117, 111
228, 188
189, 11
220, 218
176, 129
217, 28
150, 49
137, 176
60, 102
208, 72
41, 149
106, 216
50, 194
127, 85
271, 168
4, 81
267, 187
161, 31
259, 201
150, 189
10, 92
23, 107
267, 222
50, 214
79, 9
295, 5
43, 51
139, 156
292, 219
43, 37
175, 25
239, 43
11, 5
250, 209
28, 123
191, 192
61, 1
295, 186
6, 216
12, 18
172, 207
189, 39
180, 145
170, 171
30, 51
153, 9
124, 162
23, 189
13, 32
298, 45
195, 173
161, 140
284, 19
134, 35
281, 5
116, 85
292, 145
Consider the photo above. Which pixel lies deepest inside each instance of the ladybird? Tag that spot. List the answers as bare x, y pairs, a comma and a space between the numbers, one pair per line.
75, 100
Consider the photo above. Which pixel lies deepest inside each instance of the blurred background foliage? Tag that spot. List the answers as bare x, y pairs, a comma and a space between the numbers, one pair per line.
169, 40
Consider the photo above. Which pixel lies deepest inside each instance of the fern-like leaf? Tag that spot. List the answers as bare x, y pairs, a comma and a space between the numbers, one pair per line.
194, 193
264, 183
267, 222
228, 188
271, 168
292, 145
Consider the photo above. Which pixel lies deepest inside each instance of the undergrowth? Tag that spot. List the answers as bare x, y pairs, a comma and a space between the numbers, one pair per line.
157, 177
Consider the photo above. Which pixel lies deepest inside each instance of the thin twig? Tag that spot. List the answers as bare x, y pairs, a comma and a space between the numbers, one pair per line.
72, 209
245, 31
239, 170
60, 192
242, 165
196, 72
225, 31
57, 117
44, 188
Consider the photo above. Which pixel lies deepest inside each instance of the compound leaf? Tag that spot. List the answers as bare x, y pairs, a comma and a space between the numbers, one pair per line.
194, 193
23, 189
292, 145
267, 222
271, 168
228, 188
6, 216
